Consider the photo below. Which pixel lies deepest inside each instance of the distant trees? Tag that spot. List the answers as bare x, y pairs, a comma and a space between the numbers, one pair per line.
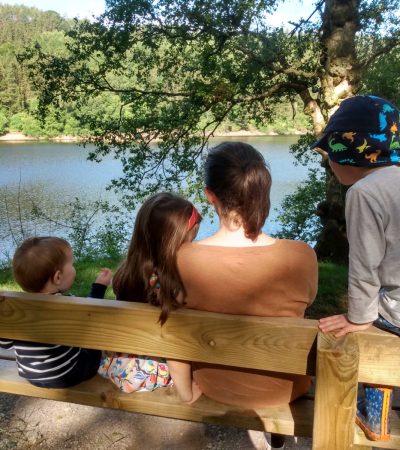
3, 121
383, 77
21, 26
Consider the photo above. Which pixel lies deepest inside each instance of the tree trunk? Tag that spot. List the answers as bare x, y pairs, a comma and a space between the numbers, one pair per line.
339, 79
332, 242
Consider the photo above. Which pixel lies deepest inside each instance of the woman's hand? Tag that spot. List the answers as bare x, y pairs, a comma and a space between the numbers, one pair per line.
340, 325
104, 277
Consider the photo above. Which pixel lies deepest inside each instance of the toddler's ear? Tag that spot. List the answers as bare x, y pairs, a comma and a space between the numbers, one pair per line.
57, 278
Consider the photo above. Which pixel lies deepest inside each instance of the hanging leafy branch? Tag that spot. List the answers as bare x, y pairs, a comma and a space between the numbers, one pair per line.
175, 71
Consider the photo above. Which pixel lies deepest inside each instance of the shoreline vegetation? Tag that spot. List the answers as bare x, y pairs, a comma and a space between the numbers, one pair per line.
17, 136
24, 29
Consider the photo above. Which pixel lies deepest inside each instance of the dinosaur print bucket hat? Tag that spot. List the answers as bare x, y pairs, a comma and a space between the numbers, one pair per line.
363, 132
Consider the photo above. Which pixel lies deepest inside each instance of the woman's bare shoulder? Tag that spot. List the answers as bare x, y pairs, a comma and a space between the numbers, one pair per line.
297, 246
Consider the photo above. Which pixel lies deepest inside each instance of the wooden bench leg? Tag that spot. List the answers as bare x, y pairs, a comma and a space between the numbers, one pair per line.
335, 392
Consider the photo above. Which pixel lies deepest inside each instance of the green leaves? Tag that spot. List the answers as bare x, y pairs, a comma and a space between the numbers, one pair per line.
297, 213
152, 81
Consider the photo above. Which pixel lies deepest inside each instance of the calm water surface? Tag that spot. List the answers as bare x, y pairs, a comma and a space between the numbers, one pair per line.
60, 172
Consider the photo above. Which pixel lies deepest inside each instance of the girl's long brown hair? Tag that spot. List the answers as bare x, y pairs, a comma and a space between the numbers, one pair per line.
161, 227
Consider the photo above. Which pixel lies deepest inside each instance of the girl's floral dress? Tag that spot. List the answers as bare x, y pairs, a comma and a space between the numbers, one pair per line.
133, 373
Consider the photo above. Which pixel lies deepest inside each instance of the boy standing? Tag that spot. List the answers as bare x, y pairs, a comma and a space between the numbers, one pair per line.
363, 145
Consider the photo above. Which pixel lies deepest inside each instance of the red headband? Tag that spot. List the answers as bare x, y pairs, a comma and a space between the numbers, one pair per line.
193, 219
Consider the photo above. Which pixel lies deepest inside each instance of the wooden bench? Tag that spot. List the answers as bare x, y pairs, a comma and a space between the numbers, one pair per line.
286, 345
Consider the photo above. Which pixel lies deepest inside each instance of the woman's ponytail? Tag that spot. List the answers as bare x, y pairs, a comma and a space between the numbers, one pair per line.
237, 174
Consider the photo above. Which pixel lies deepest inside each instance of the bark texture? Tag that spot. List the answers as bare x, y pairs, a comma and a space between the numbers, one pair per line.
340, 77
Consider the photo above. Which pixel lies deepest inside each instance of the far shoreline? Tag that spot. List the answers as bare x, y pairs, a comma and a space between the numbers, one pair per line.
20, 137
16, 136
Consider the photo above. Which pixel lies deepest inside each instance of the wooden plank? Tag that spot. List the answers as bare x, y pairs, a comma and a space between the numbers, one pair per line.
379, 357
394, 443
335, 392
295, 419
7, 354
279, 344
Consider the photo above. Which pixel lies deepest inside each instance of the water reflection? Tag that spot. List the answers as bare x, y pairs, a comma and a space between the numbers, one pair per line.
47, 177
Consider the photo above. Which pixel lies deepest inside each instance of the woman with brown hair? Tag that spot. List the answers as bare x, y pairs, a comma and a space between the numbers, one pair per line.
242, 270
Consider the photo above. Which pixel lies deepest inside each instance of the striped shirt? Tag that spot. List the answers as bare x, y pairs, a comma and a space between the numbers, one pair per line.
42, 362
47, 362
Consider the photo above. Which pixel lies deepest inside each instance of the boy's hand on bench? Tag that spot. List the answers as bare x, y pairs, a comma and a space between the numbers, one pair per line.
104, 277
340, 325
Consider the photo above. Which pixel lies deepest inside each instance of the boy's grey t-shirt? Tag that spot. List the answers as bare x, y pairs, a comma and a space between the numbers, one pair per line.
373, 230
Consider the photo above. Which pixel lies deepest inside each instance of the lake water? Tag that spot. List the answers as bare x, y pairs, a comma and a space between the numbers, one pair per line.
58, 172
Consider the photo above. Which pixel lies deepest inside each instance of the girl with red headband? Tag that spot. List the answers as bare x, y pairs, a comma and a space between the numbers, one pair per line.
149, 274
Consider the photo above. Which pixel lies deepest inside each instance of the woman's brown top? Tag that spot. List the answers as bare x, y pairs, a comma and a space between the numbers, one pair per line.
278, 280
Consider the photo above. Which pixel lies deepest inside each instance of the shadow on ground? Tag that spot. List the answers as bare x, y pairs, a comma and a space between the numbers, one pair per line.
30, 423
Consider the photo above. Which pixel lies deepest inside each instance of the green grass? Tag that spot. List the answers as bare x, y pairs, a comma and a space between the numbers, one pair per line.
6, 281
332, 291
331, 298
86, 272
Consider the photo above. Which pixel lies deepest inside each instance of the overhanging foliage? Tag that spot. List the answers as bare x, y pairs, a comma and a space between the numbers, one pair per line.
174, 70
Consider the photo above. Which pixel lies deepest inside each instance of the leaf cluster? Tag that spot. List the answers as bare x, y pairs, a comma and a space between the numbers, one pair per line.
172, 72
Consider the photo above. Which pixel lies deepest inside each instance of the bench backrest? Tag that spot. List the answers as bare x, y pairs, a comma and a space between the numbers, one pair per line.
285, 344
280, 344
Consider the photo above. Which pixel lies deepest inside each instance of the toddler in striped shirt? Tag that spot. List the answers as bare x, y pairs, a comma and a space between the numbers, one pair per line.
46, 265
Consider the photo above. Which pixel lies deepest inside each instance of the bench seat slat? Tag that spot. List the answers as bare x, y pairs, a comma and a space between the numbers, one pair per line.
295, 419
7, 354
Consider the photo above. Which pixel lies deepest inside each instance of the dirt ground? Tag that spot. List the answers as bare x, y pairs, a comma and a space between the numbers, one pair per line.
30, 423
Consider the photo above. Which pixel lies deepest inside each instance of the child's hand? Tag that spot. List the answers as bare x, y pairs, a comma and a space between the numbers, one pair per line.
341, 325
196, 393
104, 277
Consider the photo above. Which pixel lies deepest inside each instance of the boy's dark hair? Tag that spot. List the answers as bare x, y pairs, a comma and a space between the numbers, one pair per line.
237, 174
37, 259
161, 227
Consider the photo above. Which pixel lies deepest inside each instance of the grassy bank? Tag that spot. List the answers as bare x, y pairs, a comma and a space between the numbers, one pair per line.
86, 272
332, 291
331, 298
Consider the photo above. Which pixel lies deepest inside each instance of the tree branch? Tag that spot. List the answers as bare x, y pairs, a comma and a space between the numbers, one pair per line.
295, 86
108, 87
393, 43
302, 22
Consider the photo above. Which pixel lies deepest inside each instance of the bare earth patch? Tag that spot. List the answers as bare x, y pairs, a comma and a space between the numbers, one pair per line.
29, 423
